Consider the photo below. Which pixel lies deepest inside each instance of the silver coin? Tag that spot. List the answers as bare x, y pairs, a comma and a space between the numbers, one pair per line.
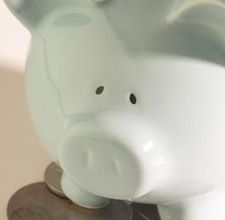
30, 213
53, 175
145, 212
36, 202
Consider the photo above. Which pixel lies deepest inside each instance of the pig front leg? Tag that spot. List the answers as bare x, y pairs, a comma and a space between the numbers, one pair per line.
81, 197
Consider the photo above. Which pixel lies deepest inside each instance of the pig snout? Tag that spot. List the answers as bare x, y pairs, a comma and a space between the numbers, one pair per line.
111, 156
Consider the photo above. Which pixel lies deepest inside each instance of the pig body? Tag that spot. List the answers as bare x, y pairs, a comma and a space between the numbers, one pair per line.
126, 114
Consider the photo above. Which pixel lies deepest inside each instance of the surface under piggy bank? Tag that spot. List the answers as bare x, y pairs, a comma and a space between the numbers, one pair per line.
125, 114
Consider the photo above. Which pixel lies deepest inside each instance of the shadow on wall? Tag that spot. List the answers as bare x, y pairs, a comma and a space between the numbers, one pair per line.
22, 159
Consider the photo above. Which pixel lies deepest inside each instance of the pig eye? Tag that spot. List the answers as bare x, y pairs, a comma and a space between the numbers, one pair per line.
100, 90
133, 99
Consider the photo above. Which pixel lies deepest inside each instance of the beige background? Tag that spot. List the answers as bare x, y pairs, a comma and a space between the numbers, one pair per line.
22, 158
14, 39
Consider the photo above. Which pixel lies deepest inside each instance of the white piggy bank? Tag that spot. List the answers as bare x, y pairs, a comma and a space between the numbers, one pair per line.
129, 98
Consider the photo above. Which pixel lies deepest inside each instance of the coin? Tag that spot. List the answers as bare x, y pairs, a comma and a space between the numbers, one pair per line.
53, 175
36, 202
145, 212
30, 213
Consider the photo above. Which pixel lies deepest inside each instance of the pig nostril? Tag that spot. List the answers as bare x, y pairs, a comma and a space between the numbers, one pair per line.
87, 158
116, 166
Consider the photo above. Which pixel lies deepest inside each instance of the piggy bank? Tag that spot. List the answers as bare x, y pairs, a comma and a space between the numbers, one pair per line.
129, 99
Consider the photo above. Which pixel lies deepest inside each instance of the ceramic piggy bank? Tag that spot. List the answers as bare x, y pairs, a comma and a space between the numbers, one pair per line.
129, 98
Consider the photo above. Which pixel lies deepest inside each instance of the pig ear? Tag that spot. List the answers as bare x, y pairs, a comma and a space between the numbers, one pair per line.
22, 10
30, 12
207, 12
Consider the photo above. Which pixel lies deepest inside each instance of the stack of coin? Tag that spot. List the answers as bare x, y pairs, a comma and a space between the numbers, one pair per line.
145, 212
53, 175
37, 202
